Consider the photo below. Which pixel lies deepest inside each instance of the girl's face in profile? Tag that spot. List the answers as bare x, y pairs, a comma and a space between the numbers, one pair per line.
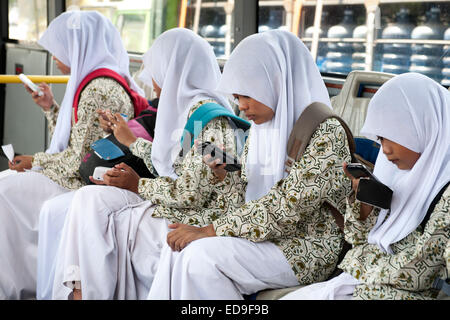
254, 110
401, 156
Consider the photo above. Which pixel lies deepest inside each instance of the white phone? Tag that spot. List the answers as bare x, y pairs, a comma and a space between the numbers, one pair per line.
30, 84
99, 172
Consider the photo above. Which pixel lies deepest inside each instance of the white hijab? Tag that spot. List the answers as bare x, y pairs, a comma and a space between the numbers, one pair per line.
184, 66
276, 69
84, 41
413, 111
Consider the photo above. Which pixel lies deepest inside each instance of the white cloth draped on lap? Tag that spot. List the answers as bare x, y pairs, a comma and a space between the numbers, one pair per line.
338, 288
7, 173
19, 231
108, 250
220, 268
51, 222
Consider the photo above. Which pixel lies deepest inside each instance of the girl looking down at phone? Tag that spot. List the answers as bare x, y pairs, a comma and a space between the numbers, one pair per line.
285, 233
113, 235
89, 47
399, 253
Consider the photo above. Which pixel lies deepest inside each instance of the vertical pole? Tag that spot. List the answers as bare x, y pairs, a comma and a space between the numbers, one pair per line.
317, 21
198, 7
371, 7
297, 14
229, 7
245, 19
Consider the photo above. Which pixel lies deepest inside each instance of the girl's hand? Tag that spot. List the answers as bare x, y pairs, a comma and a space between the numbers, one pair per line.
20, 163
217, 167
103, 119
121, 130
121, 176
366, 209
46, 100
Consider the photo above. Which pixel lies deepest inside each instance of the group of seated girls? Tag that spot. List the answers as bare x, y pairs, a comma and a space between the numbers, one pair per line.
198, 231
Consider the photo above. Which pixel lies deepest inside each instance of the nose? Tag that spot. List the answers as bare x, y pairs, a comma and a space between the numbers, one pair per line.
386, 147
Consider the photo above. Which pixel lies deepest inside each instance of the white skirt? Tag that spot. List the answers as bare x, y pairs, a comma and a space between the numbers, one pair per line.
219, 268
110, 245
337, 288
21, 198
51, 222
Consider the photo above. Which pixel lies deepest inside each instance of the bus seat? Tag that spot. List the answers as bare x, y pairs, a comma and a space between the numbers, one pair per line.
276, 294
351, 104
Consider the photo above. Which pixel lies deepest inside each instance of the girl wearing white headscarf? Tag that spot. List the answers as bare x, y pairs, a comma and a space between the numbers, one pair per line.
398, 253
284, 234
112, 238
82, 42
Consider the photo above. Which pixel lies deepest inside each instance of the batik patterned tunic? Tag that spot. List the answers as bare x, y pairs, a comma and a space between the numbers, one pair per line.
417, 260
100, 93
293, 214
195, 197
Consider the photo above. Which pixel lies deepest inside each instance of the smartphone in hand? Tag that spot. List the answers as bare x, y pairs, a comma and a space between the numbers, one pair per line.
370, 189
358, 170
30, 84
217, 153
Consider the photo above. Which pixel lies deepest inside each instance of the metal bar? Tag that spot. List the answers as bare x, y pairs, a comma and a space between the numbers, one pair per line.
198, 7
54, 9
228, 20
413, 41
297, 15
5, 78
245, 19
182, 22
343, 2
4, 35
371, 8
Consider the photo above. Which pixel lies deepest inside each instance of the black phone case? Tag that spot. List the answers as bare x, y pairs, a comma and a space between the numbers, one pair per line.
209, 148
358, 172
374, 193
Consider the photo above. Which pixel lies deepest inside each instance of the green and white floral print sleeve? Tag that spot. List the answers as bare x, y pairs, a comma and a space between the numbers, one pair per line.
52, 117
293, 214
357, 231
180, 200
142, 148
409, 272
101, 93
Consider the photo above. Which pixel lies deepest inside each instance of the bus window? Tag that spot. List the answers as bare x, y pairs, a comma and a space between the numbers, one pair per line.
213, 20
131, 27
27, 19
408, 36
138, 21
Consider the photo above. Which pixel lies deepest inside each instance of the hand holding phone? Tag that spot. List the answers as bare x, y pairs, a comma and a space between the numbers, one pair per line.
369, 189
30, 84
99, 172
232, 164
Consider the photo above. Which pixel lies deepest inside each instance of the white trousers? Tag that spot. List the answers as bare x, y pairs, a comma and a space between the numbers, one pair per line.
338, 288
51, 223
21, 198
110, 245
221, 268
